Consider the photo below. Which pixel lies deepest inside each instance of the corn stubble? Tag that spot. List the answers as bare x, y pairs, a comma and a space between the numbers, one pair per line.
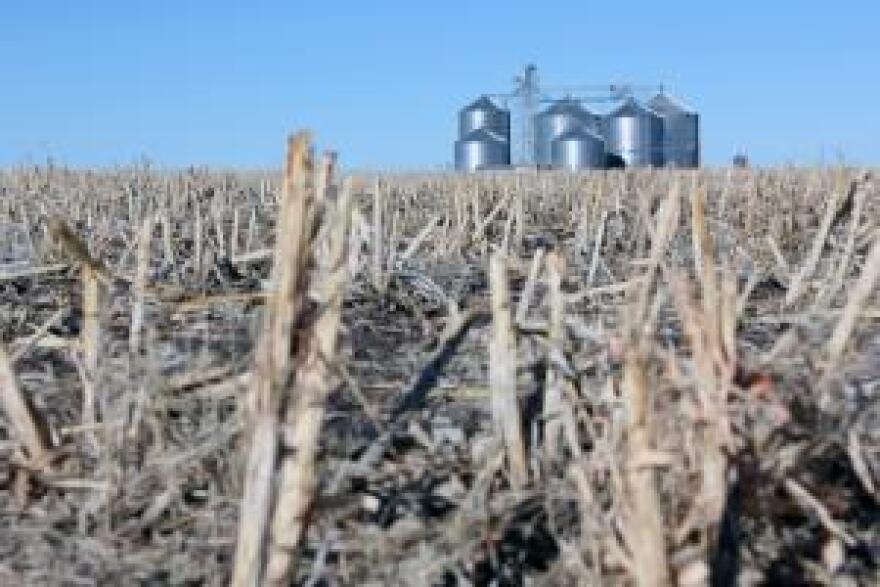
631, 377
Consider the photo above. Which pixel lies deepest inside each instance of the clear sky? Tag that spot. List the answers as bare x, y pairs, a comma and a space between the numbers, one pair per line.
103, 82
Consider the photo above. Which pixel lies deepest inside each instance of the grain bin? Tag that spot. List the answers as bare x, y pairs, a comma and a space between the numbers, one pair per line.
559, 118
577, 149
634, 133
481, 149
681, 131
484, 114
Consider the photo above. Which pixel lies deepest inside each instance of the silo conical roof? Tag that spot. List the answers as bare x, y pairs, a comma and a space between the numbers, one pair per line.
630, 108
666, 105
481, 103
568, 106
563, 106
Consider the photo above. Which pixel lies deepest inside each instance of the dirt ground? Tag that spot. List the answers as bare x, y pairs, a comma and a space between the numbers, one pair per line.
700, 386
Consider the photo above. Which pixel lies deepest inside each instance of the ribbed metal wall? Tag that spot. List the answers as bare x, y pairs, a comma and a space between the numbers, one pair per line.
481, 149
635, 134
681, 132
578, 149
556, 120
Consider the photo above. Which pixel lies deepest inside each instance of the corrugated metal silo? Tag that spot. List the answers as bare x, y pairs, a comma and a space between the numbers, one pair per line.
635, 134
681, 131
559, 118
481, 149
578, 149
484, 114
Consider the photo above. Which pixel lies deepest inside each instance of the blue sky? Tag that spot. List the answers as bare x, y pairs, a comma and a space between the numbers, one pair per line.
101, 82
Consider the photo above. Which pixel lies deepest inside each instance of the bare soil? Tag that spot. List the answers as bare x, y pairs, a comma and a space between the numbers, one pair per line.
147, 449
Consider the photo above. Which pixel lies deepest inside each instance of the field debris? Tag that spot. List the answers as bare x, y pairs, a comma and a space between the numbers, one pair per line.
647, 377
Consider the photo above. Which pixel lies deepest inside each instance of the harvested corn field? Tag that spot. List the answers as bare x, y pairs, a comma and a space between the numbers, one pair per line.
624, 377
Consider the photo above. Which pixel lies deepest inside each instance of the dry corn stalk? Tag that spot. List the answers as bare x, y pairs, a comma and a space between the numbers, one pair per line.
502, 372
554, 382
857, 300
166, 240
798, 282
197, 240
838, 279
140, 284
32, 271
529, 289
73, 246
667, 225
420, 238
711, 330
323, 184
292, 381
704, 264
233, 234
297, 483
502, 204
90, 335
90, 341
597, 248
391, 256
378, 229
519, 213
23, 421
217, 217
644, 524
251, 231
273, 366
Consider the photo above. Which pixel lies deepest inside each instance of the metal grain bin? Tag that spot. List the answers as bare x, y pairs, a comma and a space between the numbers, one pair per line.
481, 149
634, 134
484, 114
578, 149
559, 118
681, 131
